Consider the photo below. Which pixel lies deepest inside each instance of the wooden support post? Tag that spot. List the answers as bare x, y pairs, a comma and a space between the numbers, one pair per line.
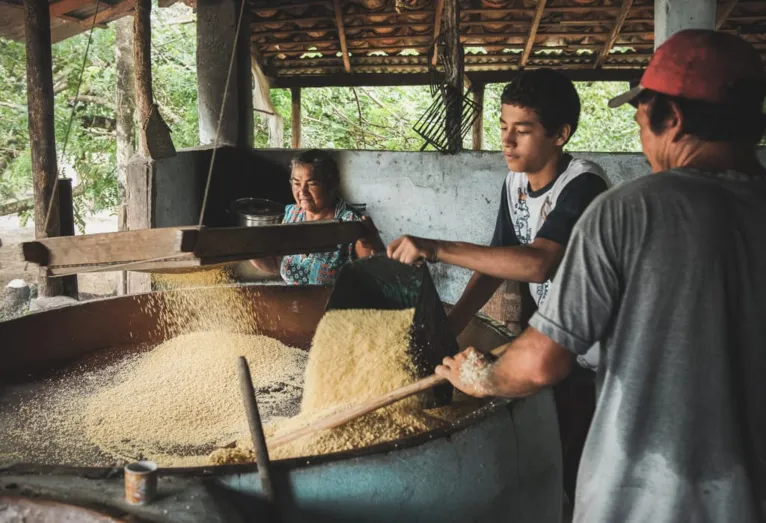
533, 32
42, 136
66, 215
142, 57
138, 191
342, 35
621, 17
478, 124
139, 212
229, 123
454, 77
296, 116
671, 16
125, 109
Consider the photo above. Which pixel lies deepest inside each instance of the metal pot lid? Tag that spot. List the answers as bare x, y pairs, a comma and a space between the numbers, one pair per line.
257, 207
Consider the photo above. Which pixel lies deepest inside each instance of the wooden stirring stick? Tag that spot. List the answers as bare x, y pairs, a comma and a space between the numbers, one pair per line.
339, 418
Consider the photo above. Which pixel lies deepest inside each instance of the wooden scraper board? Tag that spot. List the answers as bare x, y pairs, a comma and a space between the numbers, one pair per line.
173, 249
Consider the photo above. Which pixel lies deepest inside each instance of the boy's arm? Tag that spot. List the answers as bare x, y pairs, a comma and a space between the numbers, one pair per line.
535, 262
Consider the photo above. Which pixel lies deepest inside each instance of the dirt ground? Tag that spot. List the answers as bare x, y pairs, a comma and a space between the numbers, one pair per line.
12, 267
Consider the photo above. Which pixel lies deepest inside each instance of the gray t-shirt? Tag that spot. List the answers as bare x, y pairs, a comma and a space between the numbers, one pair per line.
668, 273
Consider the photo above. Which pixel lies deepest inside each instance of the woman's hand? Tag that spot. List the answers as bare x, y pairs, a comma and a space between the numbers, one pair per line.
268, 265
370, 243
413, 250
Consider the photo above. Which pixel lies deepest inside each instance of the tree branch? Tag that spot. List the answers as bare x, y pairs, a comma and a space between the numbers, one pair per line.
27, 204
18, 107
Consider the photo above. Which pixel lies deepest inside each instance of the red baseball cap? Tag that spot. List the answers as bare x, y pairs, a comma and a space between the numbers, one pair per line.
698, 64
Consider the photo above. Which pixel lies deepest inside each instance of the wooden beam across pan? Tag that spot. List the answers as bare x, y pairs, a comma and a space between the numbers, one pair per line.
175, 249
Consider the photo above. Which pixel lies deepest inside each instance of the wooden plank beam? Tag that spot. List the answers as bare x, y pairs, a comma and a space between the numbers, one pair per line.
621, 17
422, 38
724, 12
63, 7
308, 44
371, 27
286, 5
393, 17
553, 9
175, 248
275, 240
108, 14
341, 35
533, 32
66, 18
359, 79
295, 116
112, 247
409, 66
42, 135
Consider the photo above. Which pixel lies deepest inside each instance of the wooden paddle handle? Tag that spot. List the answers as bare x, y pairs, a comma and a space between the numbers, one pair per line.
339, 418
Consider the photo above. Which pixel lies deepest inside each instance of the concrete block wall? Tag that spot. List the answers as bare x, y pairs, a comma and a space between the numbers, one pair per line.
439, 196
423, 194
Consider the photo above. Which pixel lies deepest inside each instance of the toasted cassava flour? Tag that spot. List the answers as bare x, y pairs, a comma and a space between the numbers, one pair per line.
183, 397
355, 355
178, 403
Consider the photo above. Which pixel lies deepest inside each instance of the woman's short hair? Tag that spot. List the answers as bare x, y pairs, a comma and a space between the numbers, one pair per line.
323, 167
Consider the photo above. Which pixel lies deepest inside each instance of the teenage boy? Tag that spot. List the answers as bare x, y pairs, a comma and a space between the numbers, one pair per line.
542, 197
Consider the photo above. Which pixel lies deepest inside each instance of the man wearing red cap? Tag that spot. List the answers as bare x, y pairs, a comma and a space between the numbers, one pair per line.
668, 274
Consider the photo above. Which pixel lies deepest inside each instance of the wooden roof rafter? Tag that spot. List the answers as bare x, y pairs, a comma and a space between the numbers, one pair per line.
63, 7
110, 12
533, 32
64, 17
291, 5
438, 10
724, 12
621, 17
341, 35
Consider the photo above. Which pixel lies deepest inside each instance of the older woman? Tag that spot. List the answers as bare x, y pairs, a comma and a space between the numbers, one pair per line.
315, 181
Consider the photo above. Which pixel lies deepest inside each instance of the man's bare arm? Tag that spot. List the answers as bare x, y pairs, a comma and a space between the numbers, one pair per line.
530, 363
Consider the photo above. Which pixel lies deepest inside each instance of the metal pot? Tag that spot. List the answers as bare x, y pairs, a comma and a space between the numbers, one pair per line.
252, 212
361, 208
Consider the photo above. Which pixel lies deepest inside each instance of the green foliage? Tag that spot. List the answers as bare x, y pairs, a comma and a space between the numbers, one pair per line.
378, 118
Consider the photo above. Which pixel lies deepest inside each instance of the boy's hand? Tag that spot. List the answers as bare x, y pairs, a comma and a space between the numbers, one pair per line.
413, 250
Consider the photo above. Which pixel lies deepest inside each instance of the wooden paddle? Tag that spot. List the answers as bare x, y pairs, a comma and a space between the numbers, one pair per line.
339, 418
